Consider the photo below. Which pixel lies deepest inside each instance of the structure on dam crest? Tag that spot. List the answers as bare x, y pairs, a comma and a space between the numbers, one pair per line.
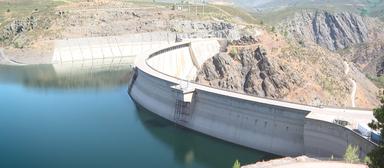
163, 84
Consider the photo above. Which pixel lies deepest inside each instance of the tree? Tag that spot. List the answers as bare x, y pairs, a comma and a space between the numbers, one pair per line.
376, 156
236, 164
273, 29
351, 154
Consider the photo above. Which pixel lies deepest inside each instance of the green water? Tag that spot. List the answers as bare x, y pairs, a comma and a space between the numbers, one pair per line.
89, 120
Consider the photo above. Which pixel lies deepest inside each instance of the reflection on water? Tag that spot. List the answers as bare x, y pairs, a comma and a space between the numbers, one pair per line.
45, 76
195, 149
87, 119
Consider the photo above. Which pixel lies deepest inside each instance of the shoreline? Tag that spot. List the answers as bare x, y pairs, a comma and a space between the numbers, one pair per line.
303, 162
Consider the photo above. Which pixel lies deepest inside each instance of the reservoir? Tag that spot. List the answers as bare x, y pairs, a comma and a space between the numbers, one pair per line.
87, 119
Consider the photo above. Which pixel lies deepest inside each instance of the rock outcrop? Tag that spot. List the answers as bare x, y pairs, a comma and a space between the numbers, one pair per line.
14, 33
204, 29
357, 38
333, 30
369, 57
312, 76
248, 71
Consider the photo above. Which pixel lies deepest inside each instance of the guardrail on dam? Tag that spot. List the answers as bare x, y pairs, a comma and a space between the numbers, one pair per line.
162, 84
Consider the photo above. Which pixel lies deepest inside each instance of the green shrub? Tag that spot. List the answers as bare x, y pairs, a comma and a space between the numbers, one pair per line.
351, 154
233, 52
367, 160
285, 33
236, 164
273, 29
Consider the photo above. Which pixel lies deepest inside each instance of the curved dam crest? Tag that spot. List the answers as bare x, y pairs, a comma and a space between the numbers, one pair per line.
162, 83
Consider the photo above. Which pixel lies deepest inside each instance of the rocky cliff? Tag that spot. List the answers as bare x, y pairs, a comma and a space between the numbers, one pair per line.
311, 76
369, 57
251, 72
333, 30
356, 38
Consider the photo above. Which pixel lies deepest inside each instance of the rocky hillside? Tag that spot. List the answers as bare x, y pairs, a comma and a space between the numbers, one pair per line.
270, 65
249, 71
356, 38
304, 75
332, 30
204, 29
369, 57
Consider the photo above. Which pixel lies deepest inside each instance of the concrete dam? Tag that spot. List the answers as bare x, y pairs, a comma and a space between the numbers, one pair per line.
163, 84
94, 54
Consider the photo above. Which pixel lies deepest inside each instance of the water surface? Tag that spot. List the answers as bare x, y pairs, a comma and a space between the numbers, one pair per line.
88, 120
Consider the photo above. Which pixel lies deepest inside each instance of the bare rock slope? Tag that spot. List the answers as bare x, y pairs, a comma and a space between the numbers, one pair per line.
308, 76
356, 38
369, 57
251, 72
332, 30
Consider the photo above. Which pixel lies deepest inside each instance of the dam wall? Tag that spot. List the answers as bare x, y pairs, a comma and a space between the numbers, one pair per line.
283, 128
323, 139
184, 61
265, 127
269, 128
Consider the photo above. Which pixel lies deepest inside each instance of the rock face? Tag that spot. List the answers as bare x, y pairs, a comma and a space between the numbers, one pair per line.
203, 29
248, 71
358, 39
328, 29
313, 76
14, 33
368, 56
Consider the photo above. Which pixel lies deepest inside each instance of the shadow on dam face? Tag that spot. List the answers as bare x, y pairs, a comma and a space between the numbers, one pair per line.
190, 147
45, 76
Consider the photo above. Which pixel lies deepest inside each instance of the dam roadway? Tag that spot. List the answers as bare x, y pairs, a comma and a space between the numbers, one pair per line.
163, 84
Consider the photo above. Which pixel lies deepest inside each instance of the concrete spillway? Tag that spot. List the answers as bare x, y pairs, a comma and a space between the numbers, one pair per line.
162, 83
